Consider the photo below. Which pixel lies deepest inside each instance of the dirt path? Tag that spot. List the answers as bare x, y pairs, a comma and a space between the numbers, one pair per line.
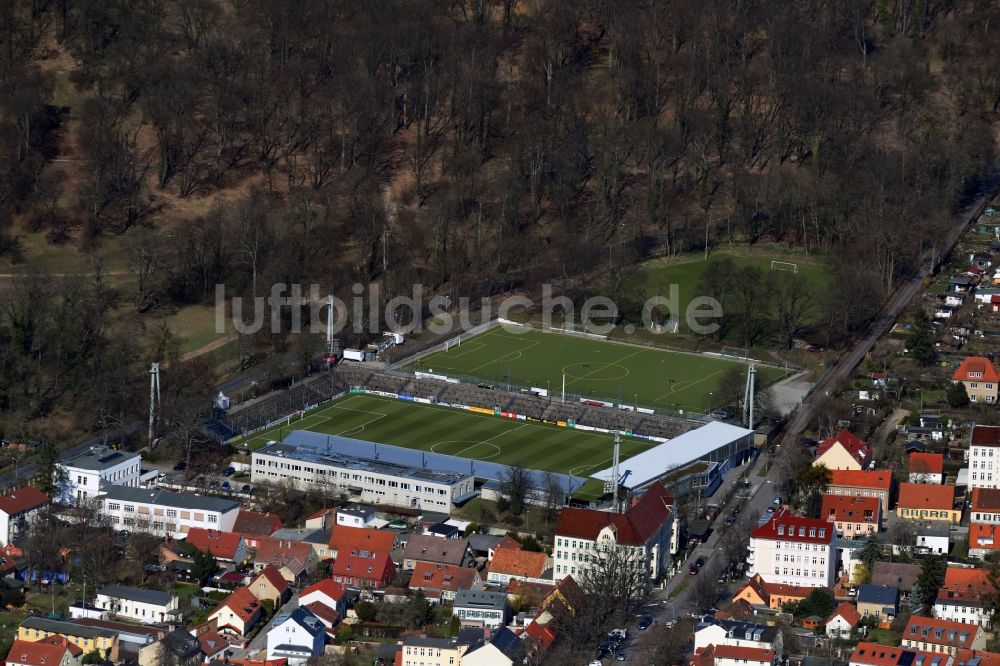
12, 276
218, 343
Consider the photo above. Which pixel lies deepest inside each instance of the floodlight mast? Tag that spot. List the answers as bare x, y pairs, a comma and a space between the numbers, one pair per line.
154, 398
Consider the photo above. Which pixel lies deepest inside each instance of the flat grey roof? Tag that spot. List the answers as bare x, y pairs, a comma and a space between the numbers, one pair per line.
679, 451
67, 628
140, 594
480, 599
171, 499
99, 459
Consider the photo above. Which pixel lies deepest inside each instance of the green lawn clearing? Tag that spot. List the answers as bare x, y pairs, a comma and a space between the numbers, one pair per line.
450, 431
593, 368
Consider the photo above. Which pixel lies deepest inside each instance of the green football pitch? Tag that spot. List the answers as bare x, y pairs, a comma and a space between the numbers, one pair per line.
593, 368
451, 431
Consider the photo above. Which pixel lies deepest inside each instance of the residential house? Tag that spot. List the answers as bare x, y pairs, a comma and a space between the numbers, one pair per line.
17, 509
504, 648
984, 505
327, 592
926, 468
843, 621
728, 655
932, 634
440, 582
646, 529
226, 547
984, 457
139, 604
481, 607
213, 645
80, 476
328, 616
162, 512
853, 516
324, 519
759, 592
977, 658
794, 551
980, 378
874, 654
291, 558
237, 614
933, 538
361, 540
866, 483
896, 574
89, 639
509, 564
256, 523
734, 633
984, 538
483, 545
918, 501
357, 515
424, 548
51, 651
964, 597
843, 451
296, 636
270, 585
424, 651
373, 571
443, 530
878, 601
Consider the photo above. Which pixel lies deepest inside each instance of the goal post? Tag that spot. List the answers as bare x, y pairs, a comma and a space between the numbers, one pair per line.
454, 342
736, 353
789, 266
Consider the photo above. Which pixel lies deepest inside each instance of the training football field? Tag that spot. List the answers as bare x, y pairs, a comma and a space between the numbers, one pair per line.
450, 431
593, 368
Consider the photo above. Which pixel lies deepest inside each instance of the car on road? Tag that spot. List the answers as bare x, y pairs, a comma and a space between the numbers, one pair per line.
229, 471
247, 489
720, 415
180, 467
696, 566
777, 501
645, 623
621, 656
225, 485
596, 662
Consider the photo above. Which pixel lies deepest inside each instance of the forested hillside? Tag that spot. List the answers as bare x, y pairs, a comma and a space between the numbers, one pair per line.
159, 147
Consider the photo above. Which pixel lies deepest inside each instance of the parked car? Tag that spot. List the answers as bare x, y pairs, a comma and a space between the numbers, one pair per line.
645, 623
621, 656
777, 501
225, 484
229, 471
247, 489
180, 467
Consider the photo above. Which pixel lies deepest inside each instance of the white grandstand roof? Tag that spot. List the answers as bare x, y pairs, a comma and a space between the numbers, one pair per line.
678, 452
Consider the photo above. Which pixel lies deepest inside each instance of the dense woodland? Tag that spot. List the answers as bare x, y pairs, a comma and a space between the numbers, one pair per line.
473, 146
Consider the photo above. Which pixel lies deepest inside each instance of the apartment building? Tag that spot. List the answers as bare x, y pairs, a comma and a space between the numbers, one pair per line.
865, 483
984, 457
793, 551
931, 634
853, 517
981, 380
843, 451
139, 604
164, 513
80, 477
17, 509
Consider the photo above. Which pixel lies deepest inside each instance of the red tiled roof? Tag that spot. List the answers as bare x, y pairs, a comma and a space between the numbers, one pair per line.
985, 435
518, 563
532, 588
926, 496
983, 536
940, 632
375, 569
283, 552
873, 654
926, 463
851, 508
273, 576
744, 654
785, 526
985, 499
212, 643
221, 545
319, 514
985, 658
46, 652
880, 479
976, 368
327, 586
22, 499
329, 616
256, 523
956, 578
508, 542
445, 577
783, 590
635, 527
361, 539
854, 446
242, 602
847, 611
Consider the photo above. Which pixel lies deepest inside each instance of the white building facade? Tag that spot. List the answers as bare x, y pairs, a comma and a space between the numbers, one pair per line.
136, 603
166, 513
984, 457
296, 636
80, 477
365, 480
793, 551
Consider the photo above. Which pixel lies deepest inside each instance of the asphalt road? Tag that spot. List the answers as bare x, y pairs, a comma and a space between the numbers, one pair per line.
890, 312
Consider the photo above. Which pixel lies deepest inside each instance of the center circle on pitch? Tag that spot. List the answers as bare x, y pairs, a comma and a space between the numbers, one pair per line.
596, 371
